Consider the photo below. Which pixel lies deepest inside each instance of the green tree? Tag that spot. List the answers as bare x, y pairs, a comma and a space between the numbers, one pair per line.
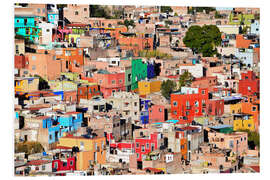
203, 39
30, 147
167, 87
185, 79
165, 9
43, 84
253, 138
127, 23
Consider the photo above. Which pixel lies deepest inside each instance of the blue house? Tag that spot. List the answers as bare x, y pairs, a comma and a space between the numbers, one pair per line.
150, 70
58, 125
53, 17
27, 27
144, 108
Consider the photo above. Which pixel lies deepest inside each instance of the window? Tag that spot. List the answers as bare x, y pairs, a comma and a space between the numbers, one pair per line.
43, 167
96, 147
80, 52
47, 30
113, 81
38, 10
120, 81
196, 103
18, 20
160, 110
65, 164
43, 10
196, 111
56, 165
81, 145
174, 112
137, 145
76, 13
187, 113
231, 144
254, 108
34, 57
152, 146
71, 163
54, 57
85, 9
203, 91
135, 103
17, 49
138, 155
249, 125
143, 148
100, 81
147, 145
174, 103
33, 67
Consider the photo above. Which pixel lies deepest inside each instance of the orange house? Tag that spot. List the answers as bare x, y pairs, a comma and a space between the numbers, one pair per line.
135, 43
241, 42
252, 106
72, 59
183, 143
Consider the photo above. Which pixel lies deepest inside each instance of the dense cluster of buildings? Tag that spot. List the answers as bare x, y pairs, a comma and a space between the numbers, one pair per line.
87, 91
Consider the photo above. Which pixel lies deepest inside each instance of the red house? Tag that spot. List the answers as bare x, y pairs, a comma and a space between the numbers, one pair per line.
64, 163
249, 84
188, 103
145, 145
215, 107
21, 62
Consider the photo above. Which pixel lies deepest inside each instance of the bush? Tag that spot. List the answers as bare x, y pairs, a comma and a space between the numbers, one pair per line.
30, 147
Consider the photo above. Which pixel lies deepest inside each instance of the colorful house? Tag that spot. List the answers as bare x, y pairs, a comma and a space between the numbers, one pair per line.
27, 26
249, 84
157, 113
149, 86
26, 84
91, 149
188, 103
243, 122
145, 145
88, 91
109, 82
144, 108
139, 72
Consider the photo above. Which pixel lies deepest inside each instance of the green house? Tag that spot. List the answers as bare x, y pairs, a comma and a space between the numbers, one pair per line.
138, 72
27, 27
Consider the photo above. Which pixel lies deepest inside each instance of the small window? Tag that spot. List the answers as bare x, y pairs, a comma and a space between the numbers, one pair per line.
147, 145
56, 165
174, 112
76, 13
174, 103
80, 52
203, 91
254, 108
138, 155
100, 81
160, 110
43, 167
38, 10
120, 81
71, 163
143, 149
47, 30
137, 145
85, 9
34, 57
113, 81
54, 57
33, 67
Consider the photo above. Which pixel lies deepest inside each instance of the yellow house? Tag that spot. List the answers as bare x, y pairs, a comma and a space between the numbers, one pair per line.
148, 87
26, 84
243, 122
73, 37
236, 108
91, 149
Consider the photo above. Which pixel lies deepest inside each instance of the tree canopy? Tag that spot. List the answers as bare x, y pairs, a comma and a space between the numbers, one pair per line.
203, 39
127, 23
165, 9
167, 87
185, 79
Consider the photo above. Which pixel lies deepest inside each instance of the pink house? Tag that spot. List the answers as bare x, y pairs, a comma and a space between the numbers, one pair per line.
157, 113
109, 82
